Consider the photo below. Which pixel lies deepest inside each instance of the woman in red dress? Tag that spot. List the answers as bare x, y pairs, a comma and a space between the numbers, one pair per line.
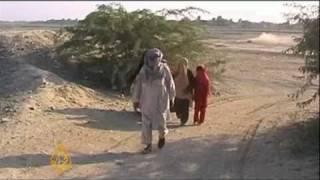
202, 91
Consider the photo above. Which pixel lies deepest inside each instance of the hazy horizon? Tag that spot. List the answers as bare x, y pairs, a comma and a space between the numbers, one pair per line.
268, 11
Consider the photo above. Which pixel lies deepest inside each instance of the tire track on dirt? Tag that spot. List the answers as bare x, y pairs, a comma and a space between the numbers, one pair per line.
269, 105
248, 138
222, 101
235, 163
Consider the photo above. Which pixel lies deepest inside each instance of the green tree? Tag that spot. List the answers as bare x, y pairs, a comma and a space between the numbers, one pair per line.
114, 39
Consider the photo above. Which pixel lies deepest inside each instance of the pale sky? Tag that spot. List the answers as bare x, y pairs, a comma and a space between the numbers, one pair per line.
270, 11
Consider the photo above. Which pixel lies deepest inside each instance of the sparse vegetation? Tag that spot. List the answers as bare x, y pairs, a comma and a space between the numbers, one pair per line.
307, 46
307, 139
43, 102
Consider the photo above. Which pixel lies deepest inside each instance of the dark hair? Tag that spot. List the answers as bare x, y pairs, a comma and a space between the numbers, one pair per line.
200, 68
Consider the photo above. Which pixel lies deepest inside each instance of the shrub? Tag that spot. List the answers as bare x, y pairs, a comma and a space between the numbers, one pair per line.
111, 40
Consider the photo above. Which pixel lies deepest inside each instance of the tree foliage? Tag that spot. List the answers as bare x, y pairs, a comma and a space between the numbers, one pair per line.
114, 39
308, 46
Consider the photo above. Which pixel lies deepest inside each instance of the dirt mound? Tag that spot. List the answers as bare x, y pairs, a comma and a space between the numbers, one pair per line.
268, 38
69, 94
23, 42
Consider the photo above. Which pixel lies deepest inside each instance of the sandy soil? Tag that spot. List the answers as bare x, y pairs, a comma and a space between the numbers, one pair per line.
244, 135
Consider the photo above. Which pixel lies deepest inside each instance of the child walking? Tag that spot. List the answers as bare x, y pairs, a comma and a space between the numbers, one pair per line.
202, 91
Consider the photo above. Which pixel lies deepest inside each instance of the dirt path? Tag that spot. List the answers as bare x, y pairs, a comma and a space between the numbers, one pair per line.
99, 130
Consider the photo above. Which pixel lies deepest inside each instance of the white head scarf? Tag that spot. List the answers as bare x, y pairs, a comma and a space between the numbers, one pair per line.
152, 64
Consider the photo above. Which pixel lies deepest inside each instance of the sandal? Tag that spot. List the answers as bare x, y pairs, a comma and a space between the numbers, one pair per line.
161, 142
147, 149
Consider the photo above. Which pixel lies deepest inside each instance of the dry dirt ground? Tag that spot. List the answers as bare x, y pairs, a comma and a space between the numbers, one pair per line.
244, 135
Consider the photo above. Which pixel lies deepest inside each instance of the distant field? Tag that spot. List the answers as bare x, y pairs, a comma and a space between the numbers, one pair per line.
214, 31
260, 29
30, 26
236, 32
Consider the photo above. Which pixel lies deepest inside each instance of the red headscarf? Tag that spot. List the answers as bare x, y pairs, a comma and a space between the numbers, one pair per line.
202, 76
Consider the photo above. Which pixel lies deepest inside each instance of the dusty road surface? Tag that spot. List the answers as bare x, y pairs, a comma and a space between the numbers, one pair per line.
244, 135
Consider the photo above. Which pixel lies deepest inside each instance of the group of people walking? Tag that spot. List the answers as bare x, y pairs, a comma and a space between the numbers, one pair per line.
157, 92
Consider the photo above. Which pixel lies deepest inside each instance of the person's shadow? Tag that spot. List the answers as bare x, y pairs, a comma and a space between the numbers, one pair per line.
108, 119
102, 119
39, 160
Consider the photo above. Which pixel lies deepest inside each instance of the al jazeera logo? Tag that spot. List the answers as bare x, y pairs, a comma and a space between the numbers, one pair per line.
60, 159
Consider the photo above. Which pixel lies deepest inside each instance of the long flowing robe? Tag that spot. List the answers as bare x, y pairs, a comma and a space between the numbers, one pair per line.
202, 90
154, 95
